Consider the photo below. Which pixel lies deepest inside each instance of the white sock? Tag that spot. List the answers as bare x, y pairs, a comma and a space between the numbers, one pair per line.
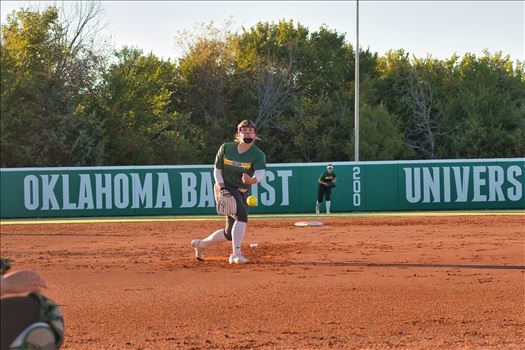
327, 205
215, 237
237, 236
317, 205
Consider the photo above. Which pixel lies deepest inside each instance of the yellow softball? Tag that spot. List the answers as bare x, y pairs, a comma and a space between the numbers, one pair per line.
251, 201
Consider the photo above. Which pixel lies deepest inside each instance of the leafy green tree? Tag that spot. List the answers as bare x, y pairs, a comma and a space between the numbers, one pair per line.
44, 71
63, 103
380, 135
203, 89
132, 101
409, 90
306, 79
487, 103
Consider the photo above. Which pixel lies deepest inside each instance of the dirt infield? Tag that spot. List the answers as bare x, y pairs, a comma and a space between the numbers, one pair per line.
418, 283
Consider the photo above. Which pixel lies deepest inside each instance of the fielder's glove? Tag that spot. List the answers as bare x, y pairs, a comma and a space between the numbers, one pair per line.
226, 204
330, 184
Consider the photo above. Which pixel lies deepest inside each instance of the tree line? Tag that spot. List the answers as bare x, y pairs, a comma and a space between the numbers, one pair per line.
66, 100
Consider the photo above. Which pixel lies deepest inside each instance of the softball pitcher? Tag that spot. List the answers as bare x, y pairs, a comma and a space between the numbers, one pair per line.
238, 165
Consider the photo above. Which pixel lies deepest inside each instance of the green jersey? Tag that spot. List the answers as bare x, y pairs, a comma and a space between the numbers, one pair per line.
234, 164
327, 177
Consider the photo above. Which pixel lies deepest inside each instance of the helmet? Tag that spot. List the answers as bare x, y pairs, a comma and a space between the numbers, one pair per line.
246, 124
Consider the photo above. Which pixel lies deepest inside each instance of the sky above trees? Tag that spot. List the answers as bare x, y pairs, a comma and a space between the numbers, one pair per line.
438, 28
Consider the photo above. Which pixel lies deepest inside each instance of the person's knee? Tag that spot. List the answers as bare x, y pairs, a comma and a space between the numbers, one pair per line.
242, 214
228, 234
38, 335
242, 210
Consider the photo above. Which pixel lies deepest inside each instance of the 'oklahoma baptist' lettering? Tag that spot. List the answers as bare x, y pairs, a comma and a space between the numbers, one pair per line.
134, 191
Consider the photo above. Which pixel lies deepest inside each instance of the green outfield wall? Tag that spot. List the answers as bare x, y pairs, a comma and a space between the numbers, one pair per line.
288, 188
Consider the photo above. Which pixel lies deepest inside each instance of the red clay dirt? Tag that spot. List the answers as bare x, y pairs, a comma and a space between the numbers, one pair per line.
452, 282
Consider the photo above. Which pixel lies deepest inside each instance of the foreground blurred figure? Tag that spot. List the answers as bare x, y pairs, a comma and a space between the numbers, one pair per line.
29, 320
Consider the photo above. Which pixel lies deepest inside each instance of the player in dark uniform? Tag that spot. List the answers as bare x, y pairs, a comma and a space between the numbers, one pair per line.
326, 183
238, 165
